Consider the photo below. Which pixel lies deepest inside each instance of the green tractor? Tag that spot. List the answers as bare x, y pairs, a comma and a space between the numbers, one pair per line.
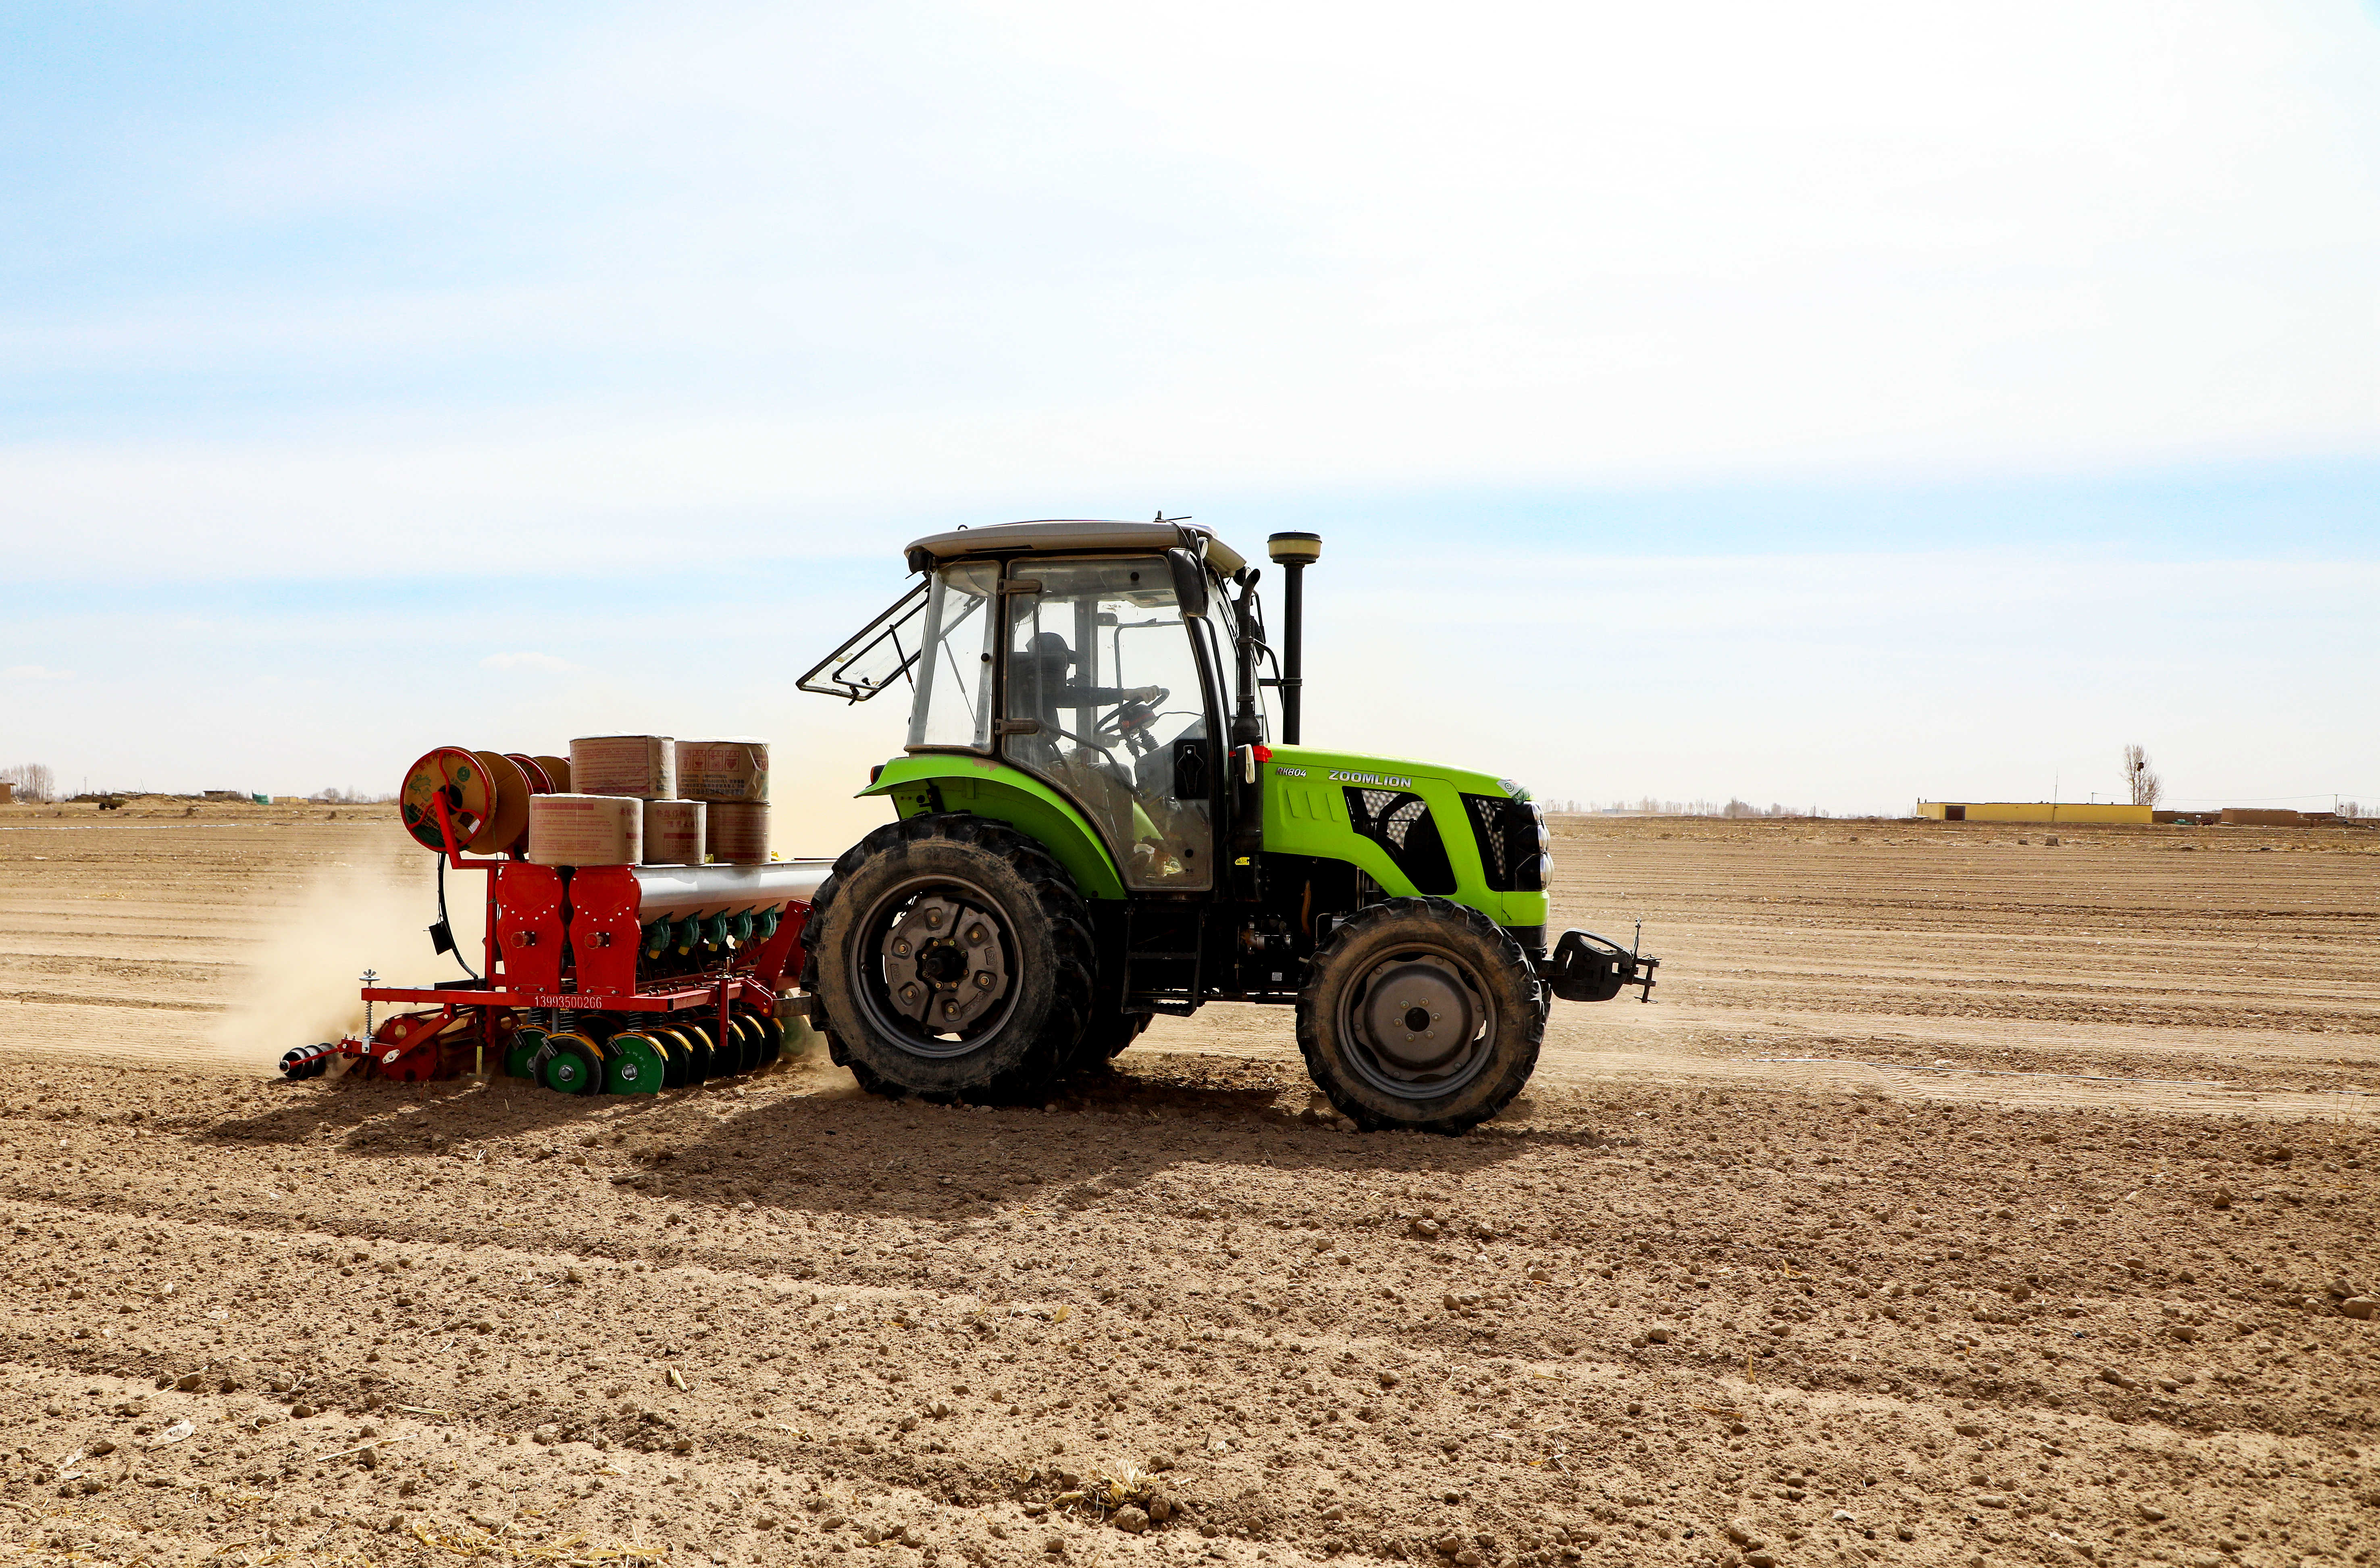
1092, 829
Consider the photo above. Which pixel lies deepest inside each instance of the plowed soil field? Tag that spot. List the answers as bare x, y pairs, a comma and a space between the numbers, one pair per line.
1959, 1198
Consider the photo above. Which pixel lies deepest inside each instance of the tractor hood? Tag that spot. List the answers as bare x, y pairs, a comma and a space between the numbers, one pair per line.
1322, 767
1417, 829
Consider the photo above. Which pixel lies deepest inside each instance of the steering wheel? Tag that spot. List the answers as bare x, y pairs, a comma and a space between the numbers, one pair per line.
1129, 722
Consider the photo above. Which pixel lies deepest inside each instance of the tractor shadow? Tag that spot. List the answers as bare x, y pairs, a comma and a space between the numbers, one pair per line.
802, 1138
1103, 1143
378, 1117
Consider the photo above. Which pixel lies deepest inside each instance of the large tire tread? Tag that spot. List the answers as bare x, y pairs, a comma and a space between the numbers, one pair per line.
1054, 897
1523, 1013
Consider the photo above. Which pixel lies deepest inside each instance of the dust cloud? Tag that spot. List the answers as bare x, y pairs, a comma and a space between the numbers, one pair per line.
300, 983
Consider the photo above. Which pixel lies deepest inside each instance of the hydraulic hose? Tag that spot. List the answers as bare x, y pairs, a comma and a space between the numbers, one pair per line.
442, 933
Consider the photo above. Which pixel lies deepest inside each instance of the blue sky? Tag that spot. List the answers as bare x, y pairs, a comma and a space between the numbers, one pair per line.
1836, 404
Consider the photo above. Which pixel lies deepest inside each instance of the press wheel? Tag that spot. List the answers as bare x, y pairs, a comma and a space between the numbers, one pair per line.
677, 1055
704, 1064
748, 1041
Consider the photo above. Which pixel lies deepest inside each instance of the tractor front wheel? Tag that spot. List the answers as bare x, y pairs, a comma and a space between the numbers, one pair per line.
1420, 1012
951, 956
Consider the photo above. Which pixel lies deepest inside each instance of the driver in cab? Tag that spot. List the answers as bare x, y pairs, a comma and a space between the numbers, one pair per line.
1041, 677
1042, 685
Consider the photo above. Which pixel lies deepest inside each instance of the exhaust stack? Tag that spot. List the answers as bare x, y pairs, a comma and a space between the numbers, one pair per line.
1293, 552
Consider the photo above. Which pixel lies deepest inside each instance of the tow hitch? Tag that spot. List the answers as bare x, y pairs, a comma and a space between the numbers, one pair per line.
1588, 967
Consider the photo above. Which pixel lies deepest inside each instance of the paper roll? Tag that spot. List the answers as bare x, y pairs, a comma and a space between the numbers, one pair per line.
585, 830
736, 833
674, 832
723, 770
641, 765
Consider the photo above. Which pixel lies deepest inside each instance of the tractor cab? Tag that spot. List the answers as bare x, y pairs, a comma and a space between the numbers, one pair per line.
1102, 659
1095, 826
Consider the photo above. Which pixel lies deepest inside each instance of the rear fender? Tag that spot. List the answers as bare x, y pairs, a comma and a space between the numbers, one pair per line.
944, 782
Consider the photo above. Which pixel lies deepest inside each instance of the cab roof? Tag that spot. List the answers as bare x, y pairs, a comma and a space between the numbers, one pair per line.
1070, 537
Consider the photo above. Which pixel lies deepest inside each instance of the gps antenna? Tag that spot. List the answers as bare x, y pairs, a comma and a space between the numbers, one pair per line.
1293, 552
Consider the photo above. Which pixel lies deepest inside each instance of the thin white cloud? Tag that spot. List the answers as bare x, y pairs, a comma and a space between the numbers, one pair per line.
34, 672
760, 264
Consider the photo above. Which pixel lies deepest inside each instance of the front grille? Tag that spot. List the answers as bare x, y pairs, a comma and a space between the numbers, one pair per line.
1511, 843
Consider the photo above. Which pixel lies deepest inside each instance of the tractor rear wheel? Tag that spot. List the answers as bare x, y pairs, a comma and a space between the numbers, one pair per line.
1420, 1012
950, 957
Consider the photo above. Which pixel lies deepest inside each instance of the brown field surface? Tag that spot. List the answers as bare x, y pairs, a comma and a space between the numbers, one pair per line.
1960, 1198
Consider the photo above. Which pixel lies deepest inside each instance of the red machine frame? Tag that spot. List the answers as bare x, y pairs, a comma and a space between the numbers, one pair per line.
530, 918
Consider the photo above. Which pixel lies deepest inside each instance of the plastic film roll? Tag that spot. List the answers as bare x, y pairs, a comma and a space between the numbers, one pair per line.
504, 829
723, 770
470, 796
585, 830
674, 832
644, 766
736, 833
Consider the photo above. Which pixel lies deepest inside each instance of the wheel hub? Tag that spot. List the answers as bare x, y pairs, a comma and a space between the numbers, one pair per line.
1418, 1017
943, 963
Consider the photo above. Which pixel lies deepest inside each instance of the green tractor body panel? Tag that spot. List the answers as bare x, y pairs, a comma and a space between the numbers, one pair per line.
1339, 805
944, 780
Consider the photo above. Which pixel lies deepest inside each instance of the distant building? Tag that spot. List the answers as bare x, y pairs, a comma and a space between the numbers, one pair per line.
2257, 817
2031, 812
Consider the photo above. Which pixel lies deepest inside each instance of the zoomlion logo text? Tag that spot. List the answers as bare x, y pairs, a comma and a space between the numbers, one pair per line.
1385, 781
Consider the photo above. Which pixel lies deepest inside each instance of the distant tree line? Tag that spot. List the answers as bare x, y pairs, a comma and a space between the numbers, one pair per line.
33, 781
1647, 805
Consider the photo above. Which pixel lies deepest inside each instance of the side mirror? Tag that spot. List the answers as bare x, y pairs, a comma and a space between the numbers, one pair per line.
1189, 583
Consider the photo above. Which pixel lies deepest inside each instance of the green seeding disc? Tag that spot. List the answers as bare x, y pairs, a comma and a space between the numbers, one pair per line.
526, 1044
637, 1064
576, 1066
